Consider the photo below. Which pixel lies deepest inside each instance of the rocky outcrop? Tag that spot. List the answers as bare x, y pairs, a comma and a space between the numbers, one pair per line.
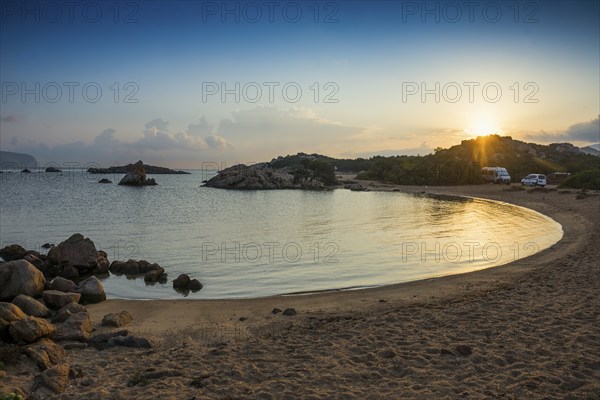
30, 329
104, 180
31, 306
57, 300
260, 177
52, 381
33, 259
45, 353
117, 320
120, 338
195, 285
158, 275
62, 285
20, 277
133, 267
183, 283
77, 327
9, 313
150, 169
53, 169
65, 313
13, 252
77, 251
91, 291
136, 176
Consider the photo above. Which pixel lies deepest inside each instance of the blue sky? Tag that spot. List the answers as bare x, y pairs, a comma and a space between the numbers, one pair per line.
342, 78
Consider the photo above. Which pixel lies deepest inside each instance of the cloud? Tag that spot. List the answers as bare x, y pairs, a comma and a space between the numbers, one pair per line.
158, 123
291, 125
264, 132
106, 138
581, 132
217, 142
259, 133
155, 142
201, 129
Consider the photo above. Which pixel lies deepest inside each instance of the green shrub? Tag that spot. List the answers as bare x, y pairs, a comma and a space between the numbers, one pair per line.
588, 179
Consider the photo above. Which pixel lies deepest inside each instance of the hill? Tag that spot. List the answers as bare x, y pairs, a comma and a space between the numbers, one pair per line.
10, 160
461, 164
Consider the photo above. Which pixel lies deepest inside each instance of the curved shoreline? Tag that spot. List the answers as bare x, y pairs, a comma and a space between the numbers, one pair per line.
411, 291
432, 275
527, 329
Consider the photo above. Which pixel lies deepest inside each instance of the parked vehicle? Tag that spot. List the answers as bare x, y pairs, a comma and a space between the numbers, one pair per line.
495, 175
534, 180
556, 178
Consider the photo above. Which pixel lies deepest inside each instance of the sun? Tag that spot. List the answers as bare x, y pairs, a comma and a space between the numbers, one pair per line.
483, 125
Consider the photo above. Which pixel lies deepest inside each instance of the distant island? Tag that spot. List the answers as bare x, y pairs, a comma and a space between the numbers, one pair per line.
10, 160
457, 165
123, 169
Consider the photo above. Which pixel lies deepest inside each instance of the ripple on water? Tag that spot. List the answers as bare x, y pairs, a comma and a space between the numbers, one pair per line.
259, 243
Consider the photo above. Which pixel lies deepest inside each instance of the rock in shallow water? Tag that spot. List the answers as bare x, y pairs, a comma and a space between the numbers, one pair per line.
76, 251
136, 176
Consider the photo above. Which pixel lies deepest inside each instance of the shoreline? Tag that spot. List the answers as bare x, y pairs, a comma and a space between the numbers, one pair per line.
412, 291
526, 329
304, 292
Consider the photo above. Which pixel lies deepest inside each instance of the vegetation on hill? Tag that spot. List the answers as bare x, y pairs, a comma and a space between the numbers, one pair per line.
320, 170
461, 164
457, 165
588, 179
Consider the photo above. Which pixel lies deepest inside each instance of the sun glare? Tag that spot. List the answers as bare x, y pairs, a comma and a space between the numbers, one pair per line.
483, 125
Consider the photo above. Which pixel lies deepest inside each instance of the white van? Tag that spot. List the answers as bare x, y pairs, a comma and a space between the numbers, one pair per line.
495, 175
534, 180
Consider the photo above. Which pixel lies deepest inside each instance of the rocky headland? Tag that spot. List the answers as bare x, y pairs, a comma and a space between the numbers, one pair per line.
264, 176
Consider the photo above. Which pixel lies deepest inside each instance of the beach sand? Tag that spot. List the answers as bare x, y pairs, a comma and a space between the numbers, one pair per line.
525, 330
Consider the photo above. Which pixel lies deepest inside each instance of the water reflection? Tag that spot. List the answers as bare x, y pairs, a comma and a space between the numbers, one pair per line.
307, 240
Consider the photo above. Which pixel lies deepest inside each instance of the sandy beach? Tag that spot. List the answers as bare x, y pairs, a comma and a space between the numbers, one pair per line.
526, 330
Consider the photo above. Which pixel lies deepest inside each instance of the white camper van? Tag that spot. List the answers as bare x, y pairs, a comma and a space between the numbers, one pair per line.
495, 175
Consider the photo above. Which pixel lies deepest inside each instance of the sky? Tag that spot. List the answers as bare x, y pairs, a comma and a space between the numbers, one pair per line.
184, 83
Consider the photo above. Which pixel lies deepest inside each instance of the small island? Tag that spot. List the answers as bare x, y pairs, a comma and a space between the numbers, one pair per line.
123, 169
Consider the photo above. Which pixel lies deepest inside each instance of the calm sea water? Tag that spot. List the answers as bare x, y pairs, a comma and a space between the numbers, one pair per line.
259, 243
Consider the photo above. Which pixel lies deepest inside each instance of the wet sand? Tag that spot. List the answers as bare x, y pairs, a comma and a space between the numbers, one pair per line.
529, 329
